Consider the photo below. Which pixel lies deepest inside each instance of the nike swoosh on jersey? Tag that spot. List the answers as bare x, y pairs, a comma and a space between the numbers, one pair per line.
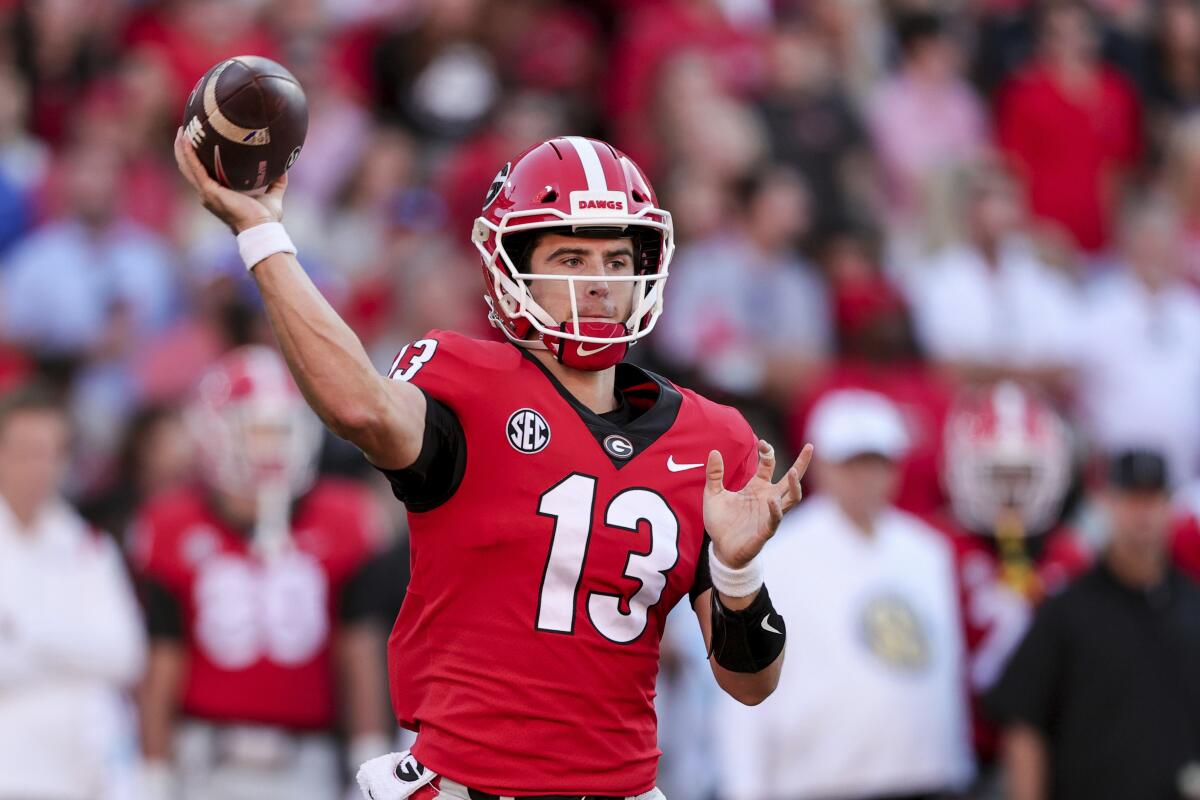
674, 466
766, 625
583, 351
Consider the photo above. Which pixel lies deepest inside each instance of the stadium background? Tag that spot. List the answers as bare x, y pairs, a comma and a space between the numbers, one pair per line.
826, 161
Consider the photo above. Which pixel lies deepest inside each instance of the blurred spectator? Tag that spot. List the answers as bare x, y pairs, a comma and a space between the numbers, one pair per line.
652, 35
708, 127
1182, 181
62, 45
339, 129
527, 119
748, 314
89, 284
70, 632
1071, 125
156, 456
23, 158
857, 32
1007, 471
434, 73
874, 705
1102, 699
877, 352
1140, 373
1173, 79
987, 307
926, 121
813, 126
366, 206
243, 577
193, 35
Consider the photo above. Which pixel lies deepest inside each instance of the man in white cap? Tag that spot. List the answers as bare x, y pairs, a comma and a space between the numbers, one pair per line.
874, 704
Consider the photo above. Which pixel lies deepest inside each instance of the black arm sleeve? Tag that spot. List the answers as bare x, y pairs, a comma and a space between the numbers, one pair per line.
164, 615
1028, 689
703, 580
436, 474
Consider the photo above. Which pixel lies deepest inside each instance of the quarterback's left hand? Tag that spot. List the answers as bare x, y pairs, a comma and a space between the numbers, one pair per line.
740, 523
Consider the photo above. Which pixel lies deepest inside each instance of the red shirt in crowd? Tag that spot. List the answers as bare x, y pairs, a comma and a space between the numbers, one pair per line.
1071, 146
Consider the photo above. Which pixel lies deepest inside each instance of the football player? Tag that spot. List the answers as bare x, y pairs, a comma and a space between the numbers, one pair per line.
560, 501
242, 575
1007, 471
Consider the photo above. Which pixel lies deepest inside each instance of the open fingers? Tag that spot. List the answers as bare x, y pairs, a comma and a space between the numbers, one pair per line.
789, 484
714, 473
775, 509
766, 461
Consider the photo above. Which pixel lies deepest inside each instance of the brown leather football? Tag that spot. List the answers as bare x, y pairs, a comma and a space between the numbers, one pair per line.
247, 118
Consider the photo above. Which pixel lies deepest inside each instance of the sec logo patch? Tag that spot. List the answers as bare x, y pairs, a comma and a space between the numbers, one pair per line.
527, 431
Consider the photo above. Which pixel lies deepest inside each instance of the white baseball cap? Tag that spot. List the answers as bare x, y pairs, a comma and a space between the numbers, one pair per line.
855, 422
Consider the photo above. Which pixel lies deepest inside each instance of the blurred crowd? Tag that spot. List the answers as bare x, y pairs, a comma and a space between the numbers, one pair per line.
955, 243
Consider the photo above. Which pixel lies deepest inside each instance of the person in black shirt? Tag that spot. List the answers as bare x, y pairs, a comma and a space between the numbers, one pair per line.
1102, 699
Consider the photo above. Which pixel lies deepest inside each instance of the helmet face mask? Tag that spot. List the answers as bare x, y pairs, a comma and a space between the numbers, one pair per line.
252, 427
1008, 461
579, 187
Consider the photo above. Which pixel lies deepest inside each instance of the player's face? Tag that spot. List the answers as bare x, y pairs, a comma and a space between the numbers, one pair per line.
593, 260
33, 456
863, 485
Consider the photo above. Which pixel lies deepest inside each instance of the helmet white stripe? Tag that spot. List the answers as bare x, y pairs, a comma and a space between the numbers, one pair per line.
591, 163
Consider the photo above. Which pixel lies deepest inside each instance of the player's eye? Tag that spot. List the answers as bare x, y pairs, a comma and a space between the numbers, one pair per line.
573, 262
618, 265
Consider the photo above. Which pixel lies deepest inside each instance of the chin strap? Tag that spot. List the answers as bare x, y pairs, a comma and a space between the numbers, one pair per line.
588, 355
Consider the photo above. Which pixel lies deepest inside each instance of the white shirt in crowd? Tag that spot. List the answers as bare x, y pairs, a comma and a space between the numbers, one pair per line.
71, 640
1140, 374
1021, 313
872, 699
732, 307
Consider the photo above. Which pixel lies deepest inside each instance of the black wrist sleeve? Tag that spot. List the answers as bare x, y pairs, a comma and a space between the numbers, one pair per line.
748, 640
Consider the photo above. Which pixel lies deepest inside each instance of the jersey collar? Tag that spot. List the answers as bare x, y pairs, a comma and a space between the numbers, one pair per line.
637, 386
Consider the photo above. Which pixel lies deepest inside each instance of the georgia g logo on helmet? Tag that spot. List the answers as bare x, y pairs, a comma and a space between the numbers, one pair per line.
497, 184
567, 185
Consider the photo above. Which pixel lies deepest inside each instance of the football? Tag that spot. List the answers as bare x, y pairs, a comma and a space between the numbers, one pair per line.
247, 118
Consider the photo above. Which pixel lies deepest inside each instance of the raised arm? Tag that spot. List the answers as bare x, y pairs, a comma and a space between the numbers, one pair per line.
384, 418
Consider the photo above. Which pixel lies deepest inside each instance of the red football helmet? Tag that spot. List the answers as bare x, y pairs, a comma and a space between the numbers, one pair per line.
582, 187
251, 426
1007, 453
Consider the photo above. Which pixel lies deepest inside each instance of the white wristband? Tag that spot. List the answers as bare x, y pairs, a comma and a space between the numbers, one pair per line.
263, 240
735, 582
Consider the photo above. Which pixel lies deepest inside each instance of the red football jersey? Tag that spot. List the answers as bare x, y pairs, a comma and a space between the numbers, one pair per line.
258, 633
527, 647
996, 613
1185, 545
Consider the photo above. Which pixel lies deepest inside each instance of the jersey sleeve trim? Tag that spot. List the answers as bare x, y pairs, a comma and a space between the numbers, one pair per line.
435, 476
164, 612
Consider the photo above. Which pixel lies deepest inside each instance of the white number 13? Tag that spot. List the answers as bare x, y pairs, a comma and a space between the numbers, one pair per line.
570, 503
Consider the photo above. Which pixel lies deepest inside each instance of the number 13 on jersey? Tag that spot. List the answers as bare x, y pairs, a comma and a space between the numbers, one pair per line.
571, 504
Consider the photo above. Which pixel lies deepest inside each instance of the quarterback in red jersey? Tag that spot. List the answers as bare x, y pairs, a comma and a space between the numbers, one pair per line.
560, 501
1007, 471
242, 577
